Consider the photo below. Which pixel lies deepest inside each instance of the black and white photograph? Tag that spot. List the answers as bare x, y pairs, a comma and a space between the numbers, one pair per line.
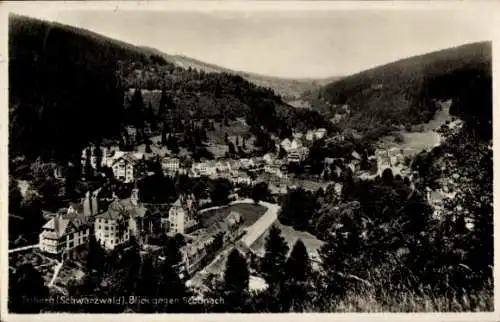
249, 161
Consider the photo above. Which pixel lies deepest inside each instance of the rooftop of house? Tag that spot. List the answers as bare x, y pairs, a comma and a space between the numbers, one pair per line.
185, 201
131, 157
123, 207
58, 225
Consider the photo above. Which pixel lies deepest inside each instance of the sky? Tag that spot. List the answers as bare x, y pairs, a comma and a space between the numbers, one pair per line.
291, 44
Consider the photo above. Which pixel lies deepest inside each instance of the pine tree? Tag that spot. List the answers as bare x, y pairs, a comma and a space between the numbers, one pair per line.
171, 285
98, 157
273, 270
273, 263
89, 171
236, 280
25, 285
136, 112
298, 272
151, 117
162, 108
298, 266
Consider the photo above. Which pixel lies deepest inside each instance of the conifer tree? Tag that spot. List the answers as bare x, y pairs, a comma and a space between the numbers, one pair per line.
298, 272
136, 112
273, 263
162, 108
151, 117
236, 280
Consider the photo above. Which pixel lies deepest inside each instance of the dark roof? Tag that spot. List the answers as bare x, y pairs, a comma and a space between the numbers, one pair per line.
123, 208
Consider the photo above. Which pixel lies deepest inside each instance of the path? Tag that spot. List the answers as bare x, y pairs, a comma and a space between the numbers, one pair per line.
253, 233
56, 272
19, 249
247, 200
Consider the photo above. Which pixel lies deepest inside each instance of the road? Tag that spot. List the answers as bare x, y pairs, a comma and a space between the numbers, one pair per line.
261, 225
253, 233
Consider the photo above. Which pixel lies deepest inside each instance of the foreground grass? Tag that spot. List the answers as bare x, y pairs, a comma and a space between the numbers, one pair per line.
408, 302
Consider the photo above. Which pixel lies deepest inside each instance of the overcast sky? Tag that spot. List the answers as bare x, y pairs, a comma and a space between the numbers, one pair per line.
287, 44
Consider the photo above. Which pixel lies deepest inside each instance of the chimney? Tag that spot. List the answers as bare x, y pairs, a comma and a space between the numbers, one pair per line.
87, 206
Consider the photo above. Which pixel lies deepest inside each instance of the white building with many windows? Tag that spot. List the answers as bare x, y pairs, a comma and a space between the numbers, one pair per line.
182, 215
64, 232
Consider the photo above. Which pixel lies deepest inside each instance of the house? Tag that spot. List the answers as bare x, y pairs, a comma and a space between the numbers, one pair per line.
128, 167
123, 219
269, 158
247, 163
223, 166
298, 155
234, 165
170, 165
240, 178
207, 168
182, 216
320, 133
286, 144
258, 162
204, 249
272, 168
195, 254
291, 145
64, 232
131, 132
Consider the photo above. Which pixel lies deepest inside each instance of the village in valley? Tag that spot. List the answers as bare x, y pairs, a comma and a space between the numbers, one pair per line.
146, 182
250, 206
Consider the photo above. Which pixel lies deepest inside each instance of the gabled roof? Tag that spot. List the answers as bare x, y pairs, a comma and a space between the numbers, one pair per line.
60, 224
123, 208
130, 158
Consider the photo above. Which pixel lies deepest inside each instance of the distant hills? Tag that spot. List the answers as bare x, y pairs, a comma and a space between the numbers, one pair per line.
68, 87
402, 92
288, 88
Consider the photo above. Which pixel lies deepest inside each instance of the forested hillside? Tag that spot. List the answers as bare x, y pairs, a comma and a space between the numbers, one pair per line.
402, 92
68, 86
288, 88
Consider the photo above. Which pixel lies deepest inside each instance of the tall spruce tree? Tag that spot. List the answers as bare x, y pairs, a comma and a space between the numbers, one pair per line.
236, 281
298, 273
162, 108
171, 285
274, 259
151, 117
273, 268
136, 111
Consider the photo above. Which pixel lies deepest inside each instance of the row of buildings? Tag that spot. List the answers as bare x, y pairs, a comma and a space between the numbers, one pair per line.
113, 222
70, 229
130, 166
